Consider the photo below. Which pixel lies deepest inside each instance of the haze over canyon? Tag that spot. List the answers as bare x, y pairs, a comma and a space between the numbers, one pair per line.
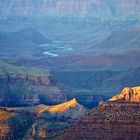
62, 63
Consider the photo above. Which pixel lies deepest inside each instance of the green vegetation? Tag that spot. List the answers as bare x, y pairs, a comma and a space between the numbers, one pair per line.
12, 69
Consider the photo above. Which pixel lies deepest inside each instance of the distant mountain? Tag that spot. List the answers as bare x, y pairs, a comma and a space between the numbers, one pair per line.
119, 42
8, 68
110, 52
71, 109
83, 8
116, 83
23, 37
128, 94
100, 82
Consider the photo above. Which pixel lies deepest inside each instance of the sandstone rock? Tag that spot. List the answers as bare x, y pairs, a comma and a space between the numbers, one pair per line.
128, 94
109, 121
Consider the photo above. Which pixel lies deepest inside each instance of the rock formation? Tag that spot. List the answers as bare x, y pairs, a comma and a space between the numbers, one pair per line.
109, 121
38, 122
128, 94
22, 86
116, 119
13, 124
71, 109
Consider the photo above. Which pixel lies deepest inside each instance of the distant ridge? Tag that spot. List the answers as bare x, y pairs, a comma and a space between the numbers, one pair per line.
52, 109
70, 108
37, 118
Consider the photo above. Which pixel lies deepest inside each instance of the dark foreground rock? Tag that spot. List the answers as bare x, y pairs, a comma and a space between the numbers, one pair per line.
109, 121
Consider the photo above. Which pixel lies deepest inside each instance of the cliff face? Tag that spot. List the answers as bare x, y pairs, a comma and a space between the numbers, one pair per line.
21, 77
28, 90
28, 86
115, 119
128, 94
110, 120
37, 131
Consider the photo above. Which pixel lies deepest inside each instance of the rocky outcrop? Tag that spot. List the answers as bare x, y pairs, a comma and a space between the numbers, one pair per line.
37, 131
38, 122
118, 118
109, 121
70, 109
22, 89
44, 80
128, 94
13, 125
22, 86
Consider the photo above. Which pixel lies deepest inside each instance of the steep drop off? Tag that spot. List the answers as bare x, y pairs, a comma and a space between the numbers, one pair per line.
22, 86
111, 120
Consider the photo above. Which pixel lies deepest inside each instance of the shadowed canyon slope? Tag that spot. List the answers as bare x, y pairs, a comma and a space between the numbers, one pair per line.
14, 125
21, 85
111, 120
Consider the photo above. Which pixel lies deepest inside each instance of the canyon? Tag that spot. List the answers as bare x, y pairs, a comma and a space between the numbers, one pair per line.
62, 63
20, 86
114, 119
28, 86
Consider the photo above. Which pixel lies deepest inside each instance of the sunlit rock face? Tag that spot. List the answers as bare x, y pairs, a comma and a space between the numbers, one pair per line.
71, 109
128, 94
58, 108
38, 122
110, 120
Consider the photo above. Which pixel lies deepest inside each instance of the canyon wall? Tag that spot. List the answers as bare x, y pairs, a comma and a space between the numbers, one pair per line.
85, 8
110, 120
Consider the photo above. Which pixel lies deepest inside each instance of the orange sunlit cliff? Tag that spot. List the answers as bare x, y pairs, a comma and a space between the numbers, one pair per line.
60, 108
116, 119
31, 122
128, 94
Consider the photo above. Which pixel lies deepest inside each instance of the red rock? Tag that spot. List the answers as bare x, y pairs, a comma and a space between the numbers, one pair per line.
109, 121
128, 94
